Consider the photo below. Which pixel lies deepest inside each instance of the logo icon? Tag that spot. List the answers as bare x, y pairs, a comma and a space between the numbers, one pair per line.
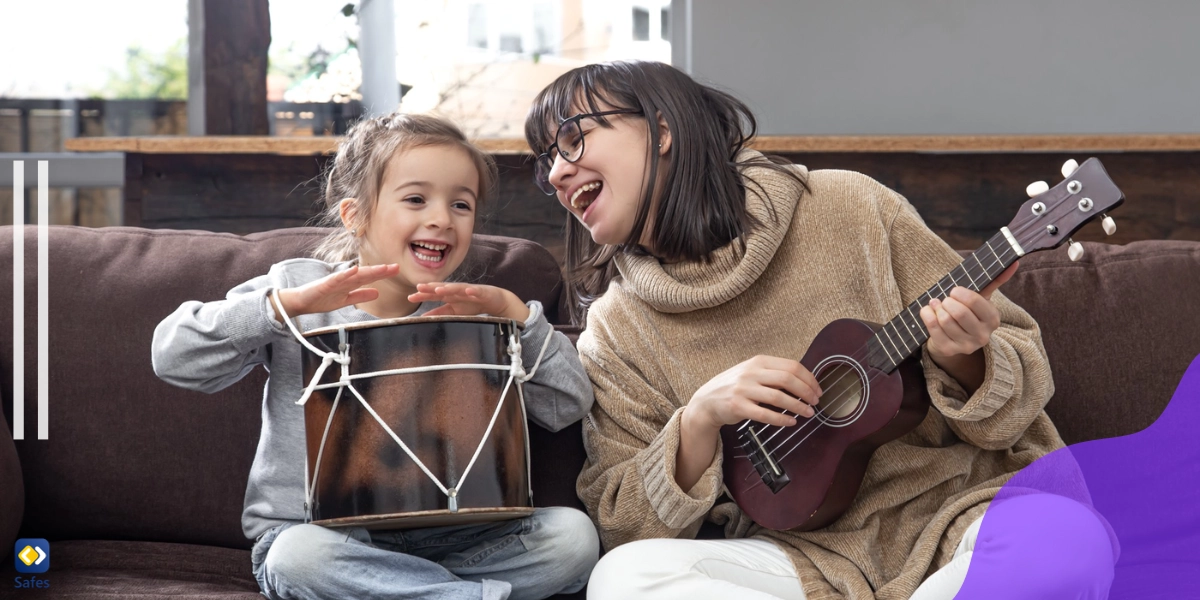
32, 555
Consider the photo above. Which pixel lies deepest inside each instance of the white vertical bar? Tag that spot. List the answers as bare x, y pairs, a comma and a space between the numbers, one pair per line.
18, 300
377, 52
43, 276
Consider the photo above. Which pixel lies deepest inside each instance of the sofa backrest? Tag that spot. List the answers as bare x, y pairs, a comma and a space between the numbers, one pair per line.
1120, 326
129, 456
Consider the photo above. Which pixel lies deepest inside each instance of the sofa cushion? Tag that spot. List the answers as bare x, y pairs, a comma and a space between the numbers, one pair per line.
1120, 327
12, 491
87, 570
129, 456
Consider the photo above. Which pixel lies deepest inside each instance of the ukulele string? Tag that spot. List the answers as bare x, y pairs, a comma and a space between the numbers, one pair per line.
858, 359
999, 260
842, 398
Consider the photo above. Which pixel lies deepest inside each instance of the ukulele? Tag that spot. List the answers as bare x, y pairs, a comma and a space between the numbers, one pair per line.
805, 476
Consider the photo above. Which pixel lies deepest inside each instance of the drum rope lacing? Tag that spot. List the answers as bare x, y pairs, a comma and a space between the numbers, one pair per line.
516, 372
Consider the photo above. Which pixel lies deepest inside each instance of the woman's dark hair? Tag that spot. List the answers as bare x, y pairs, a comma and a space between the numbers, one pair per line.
704, 194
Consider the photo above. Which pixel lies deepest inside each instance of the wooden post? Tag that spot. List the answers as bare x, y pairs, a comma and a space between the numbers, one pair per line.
237, 35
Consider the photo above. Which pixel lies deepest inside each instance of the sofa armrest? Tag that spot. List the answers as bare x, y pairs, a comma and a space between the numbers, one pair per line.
12, 489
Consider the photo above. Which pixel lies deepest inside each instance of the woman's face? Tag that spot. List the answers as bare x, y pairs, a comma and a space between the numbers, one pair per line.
604, 187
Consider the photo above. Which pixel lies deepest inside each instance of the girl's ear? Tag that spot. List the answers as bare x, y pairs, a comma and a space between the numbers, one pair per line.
348, 211
664, 136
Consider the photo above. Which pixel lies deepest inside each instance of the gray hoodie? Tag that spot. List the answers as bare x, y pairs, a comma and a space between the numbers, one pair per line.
208, 346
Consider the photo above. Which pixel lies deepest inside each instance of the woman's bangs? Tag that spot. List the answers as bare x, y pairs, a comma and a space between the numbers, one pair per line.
578, 90
541, 124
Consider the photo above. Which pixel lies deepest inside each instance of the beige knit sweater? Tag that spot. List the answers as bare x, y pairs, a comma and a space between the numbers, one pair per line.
850, 248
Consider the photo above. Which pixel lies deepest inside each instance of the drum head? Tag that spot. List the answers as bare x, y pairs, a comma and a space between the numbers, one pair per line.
429, 518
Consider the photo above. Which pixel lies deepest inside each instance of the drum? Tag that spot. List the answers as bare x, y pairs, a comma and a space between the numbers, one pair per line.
402, 435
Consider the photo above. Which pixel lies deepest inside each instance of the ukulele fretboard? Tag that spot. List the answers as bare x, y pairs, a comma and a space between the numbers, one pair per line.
902, 337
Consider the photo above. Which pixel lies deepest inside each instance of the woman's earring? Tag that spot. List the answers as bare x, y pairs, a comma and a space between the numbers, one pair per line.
354, 232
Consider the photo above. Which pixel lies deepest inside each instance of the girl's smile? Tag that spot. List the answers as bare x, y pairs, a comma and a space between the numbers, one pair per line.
423, 220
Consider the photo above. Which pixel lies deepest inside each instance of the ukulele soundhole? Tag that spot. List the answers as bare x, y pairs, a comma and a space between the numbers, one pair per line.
846, 391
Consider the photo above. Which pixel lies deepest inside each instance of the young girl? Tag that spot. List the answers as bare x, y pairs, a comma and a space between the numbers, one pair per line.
709, 269
405, 190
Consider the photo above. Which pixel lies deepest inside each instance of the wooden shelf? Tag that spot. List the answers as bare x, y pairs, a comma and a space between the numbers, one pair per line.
288, 146
778, 144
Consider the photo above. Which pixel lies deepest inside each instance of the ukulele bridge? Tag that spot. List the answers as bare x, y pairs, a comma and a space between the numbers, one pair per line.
771, 473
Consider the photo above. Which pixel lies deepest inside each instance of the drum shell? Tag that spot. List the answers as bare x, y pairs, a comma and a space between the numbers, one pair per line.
365, 477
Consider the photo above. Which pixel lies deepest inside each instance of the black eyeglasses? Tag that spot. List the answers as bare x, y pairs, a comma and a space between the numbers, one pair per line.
568, 142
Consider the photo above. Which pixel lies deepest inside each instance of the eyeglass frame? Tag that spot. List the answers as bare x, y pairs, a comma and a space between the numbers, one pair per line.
556, 148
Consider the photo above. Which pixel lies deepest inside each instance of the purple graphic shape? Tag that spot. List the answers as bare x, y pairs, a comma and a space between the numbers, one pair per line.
1056, 528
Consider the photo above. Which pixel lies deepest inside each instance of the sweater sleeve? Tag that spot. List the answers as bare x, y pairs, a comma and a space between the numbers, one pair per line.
208, 346
559, 392
1017, 382
632, 440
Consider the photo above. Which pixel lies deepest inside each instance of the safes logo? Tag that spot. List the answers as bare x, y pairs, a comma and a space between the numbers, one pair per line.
32, 555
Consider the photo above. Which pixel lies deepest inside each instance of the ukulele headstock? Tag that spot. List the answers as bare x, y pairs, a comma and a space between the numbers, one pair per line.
1052, 215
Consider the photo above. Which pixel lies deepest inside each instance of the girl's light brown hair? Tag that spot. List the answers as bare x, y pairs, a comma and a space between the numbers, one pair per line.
362, 158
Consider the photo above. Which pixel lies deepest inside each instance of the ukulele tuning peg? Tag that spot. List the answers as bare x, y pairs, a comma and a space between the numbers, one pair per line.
1069, 167
1110, 226
1037, 188
1075, 250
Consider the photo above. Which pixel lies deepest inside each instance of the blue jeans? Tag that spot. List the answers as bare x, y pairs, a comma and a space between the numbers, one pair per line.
552, 551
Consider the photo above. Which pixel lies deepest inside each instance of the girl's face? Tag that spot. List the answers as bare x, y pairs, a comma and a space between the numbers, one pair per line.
604, 187
424, 216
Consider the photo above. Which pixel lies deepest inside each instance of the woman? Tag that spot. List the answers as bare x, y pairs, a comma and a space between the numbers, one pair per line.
705, 269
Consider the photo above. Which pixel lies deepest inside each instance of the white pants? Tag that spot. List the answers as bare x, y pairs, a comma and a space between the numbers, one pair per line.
752, 569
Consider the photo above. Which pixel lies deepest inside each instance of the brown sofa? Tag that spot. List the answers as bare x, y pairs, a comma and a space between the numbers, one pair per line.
139, 488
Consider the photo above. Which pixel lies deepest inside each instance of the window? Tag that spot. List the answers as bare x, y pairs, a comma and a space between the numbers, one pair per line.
641, 24
665, 21
477, 33
510, 42
544, 30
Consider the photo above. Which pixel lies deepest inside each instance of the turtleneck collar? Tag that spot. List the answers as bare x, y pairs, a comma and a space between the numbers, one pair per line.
731, 269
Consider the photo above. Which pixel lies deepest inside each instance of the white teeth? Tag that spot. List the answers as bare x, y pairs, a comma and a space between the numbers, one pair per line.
417, 246
587, 187
428, 257
431, 246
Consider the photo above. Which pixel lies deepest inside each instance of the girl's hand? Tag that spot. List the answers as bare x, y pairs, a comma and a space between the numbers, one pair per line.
740, 393
471, 299
963, 323
333, 291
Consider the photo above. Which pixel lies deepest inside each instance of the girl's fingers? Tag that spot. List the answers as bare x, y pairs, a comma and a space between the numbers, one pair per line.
361, 295
373, 273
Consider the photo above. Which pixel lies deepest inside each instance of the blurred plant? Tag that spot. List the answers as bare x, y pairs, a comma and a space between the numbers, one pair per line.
147, 74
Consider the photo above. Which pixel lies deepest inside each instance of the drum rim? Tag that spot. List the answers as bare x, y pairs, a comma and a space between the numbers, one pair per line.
355, 325
488, 512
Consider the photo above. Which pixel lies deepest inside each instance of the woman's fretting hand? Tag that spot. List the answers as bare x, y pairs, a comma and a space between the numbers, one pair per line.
960, 326
333, 291
471, 299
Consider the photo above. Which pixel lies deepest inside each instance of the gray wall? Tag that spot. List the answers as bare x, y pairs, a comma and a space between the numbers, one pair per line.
950, 66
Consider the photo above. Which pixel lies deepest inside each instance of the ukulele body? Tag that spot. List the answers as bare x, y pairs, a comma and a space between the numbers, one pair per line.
861, 408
